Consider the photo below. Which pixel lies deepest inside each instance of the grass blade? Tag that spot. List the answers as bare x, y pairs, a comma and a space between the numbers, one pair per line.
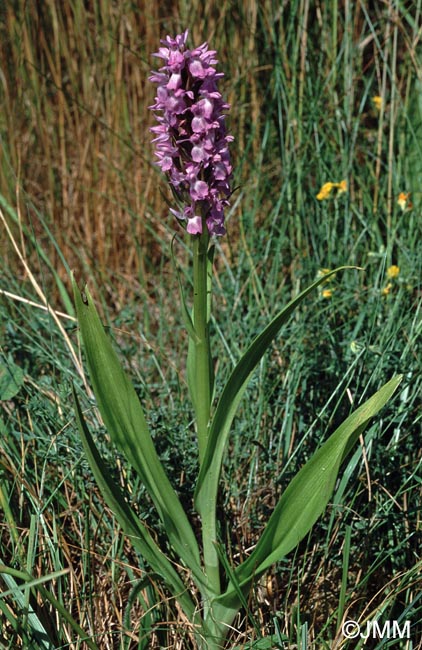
34, 622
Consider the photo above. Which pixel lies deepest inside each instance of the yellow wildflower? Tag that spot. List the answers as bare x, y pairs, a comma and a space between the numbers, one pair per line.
342, 187
327, 293
393, 271
404, 201
377, 101
327, 188
325, 191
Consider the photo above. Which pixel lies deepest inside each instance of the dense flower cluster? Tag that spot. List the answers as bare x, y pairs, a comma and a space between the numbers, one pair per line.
191, 140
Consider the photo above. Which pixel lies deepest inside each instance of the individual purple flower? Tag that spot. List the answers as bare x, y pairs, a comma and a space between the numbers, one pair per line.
191, 142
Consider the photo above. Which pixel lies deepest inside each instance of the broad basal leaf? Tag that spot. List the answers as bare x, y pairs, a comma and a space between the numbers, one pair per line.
206, 489
128, 520
307, 495
124, 419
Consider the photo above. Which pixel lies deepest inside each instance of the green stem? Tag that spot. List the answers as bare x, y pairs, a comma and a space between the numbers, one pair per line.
202, 345
203, 377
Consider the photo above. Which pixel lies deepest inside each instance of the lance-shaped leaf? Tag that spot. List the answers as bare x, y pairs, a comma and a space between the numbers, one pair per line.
129, 521
124, 419
207, 485
306, 497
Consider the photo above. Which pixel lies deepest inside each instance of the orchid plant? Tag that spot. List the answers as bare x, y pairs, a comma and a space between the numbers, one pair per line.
192, 147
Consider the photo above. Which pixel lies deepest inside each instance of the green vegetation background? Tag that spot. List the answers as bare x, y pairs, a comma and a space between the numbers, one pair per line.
78, 189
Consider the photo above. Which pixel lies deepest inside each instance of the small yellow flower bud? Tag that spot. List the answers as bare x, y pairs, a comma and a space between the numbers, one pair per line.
404, 201
377, 101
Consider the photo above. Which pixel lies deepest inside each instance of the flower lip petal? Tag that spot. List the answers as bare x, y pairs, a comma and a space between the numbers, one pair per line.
175, 81
200, 125
194, 226
199, 154
199, 190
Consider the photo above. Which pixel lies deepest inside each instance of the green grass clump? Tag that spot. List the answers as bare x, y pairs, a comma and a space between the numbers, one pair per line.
78, 189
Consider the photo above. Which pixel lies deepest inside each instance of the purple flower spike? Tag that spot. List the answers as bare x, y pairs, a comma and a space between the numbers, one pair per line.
191, 142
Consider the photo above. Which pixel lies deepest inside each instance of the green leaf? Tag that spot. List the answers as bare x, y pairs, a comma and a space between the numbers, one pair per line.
307, 495
128, 520
11, 378
124, 419
207, 485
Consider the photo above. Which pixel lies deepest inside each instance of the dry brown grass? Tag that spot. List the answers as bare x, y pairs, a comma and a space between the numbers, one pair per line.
75, 119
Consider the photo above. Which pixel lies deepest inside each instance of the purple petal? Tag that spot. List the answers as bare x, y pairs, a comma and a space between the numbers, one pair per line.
190, 136
199, 190
194, 226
